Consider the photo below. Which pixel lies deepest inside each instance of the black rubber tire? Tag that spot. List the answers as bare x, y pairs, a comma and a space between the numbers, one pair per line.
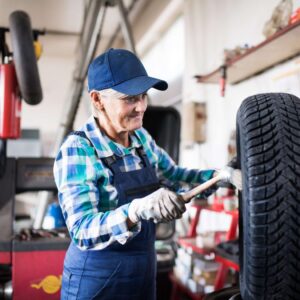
268, 137
223, 294
24, 57
236, 297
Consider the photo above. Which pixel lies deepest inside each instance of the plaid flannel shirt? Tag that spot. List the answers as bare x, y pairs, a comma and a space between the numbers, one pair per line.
88, 199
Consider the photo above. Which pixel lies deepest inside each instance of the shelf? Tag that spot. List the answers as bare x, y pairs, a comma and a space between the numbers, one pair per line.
181, 287
219, 210
228, 263
281, 46
191, 243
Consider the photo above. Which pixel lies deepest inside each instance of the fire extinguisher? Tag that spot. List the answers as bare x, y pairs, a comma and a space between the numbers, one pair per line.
10, 103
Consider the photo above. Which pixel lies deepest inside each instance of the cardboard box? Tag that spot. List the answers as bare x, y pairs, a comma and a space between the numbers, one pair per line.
194, 122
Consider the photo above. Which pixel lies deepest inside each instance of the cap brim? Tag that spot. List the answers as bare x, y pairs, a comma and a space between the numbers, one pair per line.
140, 85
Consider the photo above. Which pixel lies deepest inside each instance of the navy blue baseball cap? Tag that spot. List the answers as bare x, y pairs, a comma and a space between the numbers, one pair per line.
121, 70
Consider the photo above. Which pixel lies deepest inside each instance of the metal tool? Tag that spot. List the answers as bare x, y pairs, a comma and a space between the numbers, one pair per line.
187, 197
235, 179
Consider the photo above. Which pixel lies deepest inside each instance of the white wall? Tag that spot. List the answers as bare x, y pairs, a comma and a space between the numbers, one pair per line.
211, 26
56, 66
58, 61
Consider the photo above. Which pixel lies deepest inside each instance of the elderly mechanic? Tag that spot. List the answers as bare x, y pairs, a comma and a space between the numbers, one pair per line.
107, 175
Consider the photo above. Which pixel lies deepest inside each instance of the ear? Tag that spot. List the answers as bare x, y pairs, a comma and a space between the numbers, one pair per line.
97, 101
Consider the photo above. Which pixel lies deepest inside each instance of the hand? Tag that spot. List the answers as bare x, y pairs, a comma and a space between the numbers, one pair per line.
162, 205
232, 176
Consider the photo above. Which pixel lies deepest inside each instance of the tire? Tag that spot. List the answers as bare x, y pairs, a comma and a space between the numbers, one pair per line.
268, 138
223, 294
24, 57
3, 159
236, 297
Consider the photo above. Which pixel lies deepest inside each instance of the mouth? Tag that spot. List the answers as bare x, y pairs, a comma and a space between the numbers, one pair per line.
137, 117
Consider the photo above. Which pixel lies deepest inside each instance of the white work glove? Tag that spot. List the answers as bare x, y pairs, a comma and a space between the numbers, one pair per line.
231, 175
162, 206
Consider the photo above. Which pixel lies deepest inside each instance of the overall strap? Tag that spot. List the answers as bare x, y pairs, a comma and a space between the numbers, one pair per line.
111, 163
108, 161
142, 154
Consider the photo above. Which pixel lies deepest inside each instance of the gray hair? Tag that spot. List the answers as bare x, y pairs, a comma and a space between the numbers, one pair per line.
107, 93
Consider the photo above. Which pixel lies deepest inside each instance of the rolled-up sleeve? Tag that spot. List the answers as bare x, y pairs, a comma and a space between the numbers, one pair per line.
173, 172
78, 175
167, 168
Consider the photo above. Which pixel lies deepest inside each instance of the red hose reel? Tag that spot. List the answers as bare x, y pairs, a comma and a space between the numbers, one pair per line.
10, 103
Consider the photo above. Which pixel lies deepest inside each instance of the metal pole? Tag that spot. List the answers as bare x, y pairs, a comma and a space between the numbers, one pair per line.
44, 199
91, 35
89, 41
126, 28
91, 32
115, 34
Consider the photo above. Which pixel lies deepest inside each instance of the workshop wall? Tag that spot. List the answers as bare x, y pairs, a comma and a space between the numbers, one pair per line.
212, 26
62, 20
56, 66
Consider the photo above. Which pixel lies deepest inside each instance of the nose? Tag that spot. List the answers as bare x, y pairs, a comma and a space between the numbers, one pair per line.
141, 104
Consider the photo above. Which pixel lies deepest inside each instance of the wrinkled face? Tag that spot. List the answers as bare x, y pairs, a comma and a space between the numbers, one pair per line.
124, 113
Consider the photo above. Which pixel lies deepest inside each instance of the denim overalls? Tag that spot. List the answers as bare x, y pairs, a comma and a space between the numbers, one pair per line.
125, 272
